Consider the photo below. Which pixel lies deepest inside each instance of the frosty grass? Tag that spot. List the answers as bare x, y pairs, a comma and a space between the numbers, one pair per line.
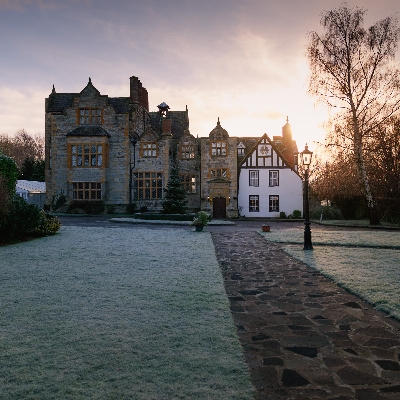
117, 313
371, 271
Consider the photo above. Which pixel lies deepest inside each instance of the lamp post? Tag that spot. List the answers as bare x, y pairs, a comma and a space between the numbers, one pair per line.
133, 141
306, 156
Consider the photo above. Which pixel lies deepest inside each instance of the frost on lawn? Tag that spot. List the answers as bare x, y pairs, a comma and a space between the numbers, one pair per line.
372, 274
338, 238
143, 311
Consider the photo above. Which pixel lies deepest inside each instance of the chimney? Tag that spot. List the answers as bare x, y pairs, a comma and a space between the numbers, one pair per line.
166, 127
134, 89
144, 99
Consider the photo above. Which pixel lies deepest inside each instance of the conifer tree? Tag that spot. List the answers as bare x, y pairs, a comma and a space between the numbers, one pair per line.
175, 197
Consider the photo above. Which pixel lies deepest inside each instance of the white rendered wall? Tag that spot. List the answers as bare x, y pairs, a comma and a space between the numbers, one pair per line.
290, 192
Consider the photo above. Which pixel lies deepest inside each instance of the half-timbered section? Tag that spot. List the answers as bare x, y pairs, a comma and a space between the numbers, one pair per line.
268, 183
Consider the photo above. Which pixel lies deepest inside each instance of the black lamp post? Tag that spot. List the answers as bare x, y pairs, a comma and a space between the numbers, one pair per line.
306, 156
133, 141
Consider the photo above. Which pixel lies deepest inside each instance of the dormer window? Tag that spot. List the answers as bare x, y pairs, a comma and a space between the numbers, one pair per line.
241, 149
219, 148
90, 116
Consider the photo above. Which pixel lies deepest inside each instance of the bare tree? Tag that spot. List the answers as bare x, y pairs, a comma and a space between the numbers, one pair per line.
22, 146
353, 72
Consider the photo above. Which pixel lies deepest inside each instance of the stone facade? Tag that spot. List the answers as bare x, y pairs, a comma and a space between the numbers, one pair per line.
117, 151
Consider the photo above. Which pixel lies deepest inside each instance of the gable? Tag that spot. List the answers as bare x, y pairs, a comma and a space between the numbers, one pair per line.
264, 155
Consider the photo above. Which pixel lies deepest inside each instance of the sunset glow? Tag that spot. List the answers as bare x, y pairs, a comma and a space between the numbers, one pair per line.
240, 61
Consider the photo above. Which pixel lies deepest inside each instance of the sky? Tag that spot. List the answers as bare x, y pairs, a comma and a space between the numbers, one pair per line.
242, 61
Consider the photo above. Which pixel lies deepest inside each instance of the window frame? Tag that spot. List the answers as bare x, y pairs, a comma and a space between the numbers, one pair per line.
218, 148
254, 203
216, 173
144, 149
90, 116
93, 190
255, 180
186, 152
155, 183
80, 151
189, 182
273, 179
273, 203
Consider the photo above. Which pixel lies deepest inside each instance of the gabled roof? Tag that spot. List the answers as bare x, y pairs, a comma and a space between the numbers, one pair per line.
275, 148
58, 102
88, 130
120, 104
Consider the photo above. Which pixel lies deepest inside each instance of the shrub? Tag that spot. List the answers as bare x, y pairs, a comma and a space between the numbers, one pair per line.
282, 215
59, 200
49, 224
21, 220
201, 219
9, 173
296, 214
164, 217
110, 209
130, 208
327, 212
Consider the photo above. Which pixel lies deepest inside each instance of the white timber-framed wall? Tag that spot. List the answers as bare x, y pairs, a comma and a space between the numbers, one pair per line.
268, 184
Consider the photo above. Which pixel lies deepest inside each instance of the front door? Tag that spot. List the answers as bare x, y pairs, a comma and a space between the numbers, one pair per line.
219, 207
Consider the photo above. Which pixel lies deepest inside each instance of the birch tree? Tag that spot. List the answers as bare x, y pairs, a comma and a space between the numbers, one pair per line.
353, 72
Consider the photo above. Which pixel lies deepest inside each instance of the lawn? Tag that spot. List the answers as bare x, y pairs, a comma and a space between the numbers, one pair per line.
367, 263
117, 313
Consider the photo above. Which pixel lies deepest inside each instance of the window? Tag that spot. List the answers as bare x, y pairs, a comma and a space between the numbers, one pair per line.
189, 182
86, 191
187, 152
273, 203
241, 151
254, 205
253, 178
219, 173
147, 185
90, 116
218, 149
273, 178
87, 155
148, 149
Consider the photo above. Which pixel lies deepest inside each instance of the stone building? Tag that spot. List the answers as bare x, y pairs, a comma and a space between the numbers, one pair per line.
114, 150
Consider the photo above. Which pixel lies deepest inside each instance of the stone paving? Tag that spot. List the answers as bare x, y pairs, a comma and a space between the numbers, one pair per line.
303, 337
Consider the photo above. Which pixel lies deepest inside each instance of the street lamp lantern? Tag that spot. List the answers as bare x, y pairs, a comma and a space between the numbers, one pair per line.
306, 156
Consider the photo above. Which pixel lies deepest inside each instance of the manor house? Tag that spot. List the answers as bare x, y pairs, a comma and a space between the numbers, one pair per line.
114, 150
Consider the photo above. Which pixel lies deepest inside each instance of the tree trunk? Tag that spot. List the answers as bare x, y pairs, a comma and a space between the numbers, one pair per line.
372, 211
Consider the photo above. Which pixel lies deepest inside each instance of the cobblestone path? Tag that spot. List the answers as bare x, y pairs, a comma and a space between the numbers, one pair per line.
303, 337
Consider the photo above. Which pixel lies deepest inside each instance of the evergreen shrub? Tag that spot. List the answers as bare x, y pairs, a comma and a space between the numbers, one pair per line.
21, 220
49, 224
296, 214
